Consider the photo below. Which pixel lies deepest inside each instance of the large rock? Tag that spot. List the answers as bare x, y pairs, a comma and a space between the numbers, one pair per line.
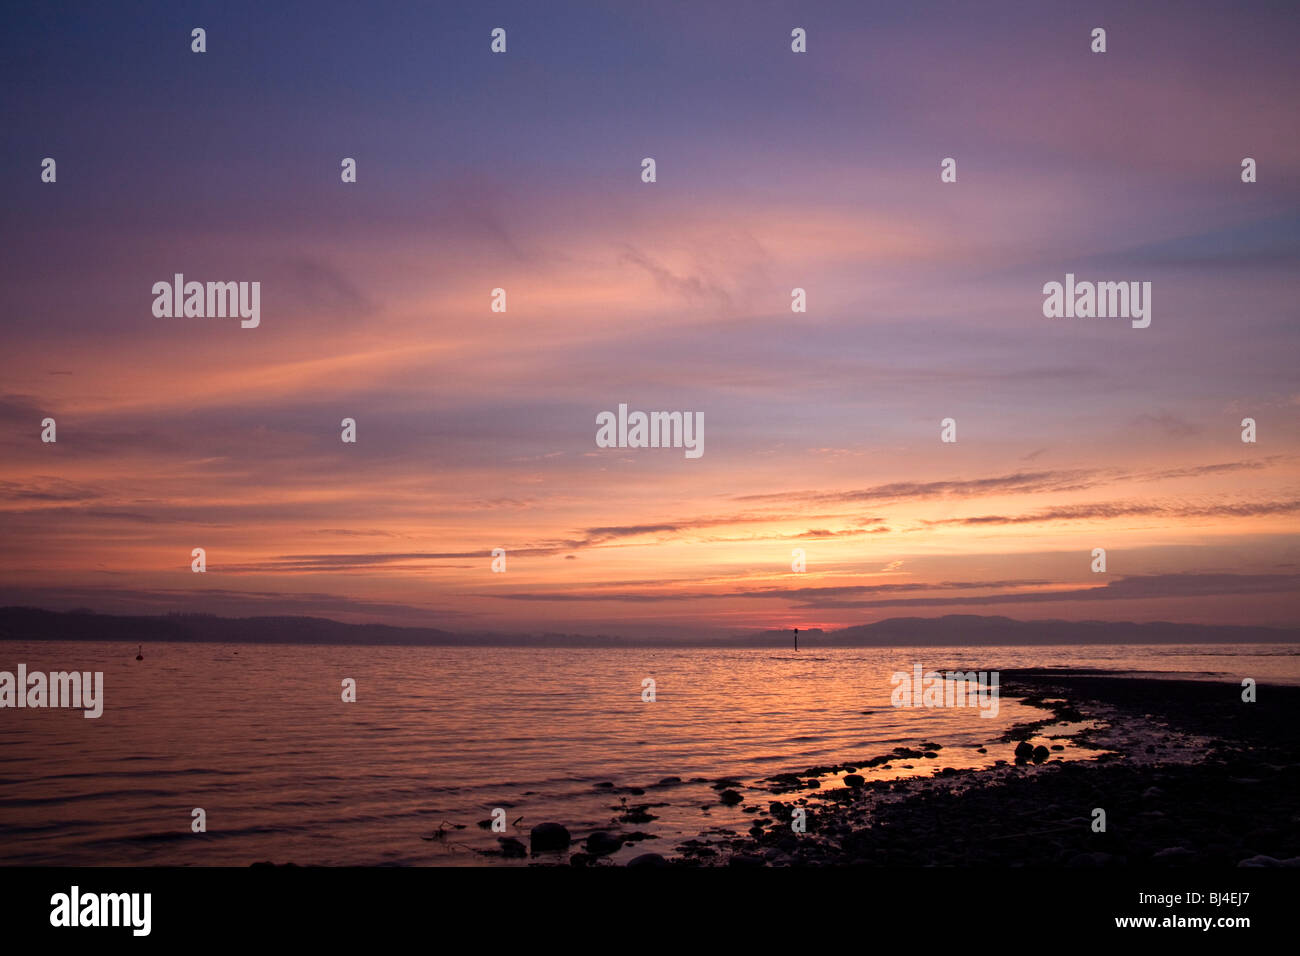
730, 797
546, 837
647, 859
511, 847
853, 780
601, 843
1024, 751
1262, 860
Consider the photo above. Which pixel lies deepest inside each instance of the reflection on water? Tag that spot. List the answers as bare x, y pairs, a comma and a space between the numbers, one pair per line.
259, 737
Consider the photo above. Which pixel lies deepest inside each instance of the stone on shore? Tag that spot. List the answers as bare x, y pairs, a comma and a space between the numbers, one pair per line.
510, 847
601, 843
546, 837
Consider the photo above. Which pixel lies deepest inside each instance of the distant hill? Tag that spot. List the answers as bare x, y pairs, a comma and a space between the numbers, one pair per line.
953, 630
963, 629
23, 623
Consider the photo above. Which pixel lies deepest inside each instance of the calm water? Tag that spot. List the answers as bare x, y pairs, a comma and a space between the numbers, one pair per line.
259, 737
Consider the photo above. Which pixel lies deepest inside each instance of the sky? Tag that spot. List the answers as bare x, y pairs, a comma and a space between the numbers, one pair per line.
774, 170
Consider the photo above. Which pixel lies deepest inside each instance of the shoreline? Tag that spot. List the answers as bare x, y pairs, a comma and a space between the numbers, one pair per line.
1188, 774
1185, 771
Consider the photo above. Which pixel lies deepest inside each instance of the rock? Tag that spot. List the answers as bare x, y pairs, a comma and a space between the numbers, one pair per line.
669, 782
1262, 860
854, 780
511, 847
647, 859
746, 859
546, 837
601, 843
637, 814
1174, 854
1152, 793
1041, 753
1024, 751
729, 798
724, 783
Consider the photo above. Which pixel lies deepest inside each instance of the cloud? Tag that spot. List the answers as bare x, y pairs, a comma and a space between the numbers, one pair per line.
767, 593
1017, 483
1170, 424
1107, 511
693, 288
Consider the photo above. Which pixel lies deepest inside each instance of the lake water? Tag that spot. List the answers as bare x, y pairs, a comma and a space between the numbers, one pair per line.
259, 737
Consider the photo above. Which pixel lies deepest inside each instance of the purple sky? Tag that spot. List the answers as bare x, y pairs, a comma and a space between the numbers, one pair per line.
775, 170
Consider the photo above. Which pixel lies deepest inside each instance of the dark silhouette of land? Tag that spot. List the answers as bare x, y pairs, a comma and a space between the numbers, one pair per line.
1235, 806
953, 630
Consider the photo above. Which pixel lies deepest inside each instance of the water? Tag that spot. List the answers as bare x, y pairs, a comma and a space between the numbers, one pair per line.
259, 737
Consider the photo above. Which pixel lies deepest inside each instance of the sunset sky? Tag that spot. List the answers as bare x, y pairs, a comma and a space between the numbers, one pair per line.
476, 430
